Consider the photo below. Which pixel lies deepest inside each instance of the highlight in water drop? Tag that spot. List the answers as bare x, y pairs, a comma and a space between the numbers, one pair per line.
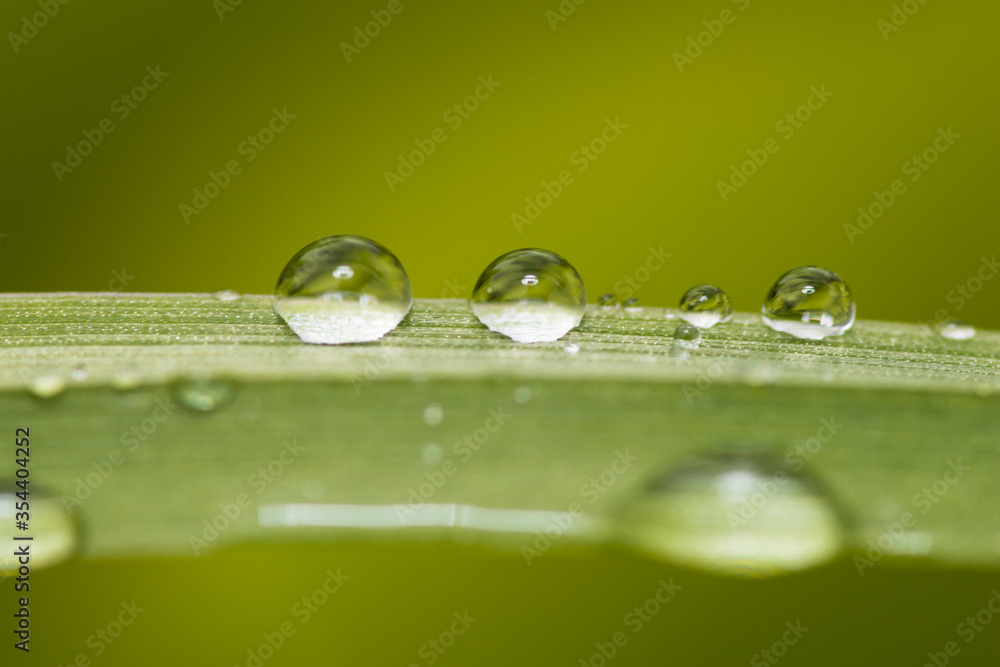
54, 533
343, 289
809, 302
530, 295
203, 394
704, 306
956, 330
735, 515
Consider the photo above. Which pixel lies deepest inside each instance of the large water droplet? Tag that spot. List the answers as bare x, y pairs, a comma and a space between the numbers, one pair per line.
343, 289
52, 529
956, 330
203, 394
809, 302
530, 295
705, 306
735, 515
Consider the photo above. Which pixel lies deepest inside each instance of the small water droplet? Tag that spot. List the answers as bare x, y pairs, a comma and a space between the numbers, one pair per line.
227, 295
736, 515
343, 289
572, 348
126, 379
79, 374
607, 300
203, 394
529, 295
523, 395
956, 330
687, 336
809, 302
431, 454
704, 306
433, 414
633, 305
47, 384
54, 532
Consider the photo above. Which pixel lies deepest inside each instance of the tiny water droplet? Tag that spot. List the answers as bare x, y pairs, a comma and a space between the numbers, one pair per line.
956, 330
54, 532
203, 394
126, 379
607, 300
431, 454
227, 295
704, 306
79, 374
47, 384
687, 336
523, 395
343, 289
433, 414
809, 302
736, 515
572, 348
529, 295
633, 305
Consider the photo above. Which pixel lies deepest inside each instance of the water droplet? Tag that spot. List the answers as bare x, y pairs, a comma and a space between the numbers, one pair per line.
735, 515
687, 336
431, 454
126, 379
433, 414
705, 306
343, 289
227, 295
956, 330
523, 395
52, 527
632, 305
79, 374
529, 295
809, 302
607, 300
47, 384
203, 394
572, 348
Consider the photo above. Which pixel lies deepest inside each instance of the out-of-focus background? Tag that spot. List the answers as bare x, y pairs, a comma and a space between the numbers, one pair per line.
689, 105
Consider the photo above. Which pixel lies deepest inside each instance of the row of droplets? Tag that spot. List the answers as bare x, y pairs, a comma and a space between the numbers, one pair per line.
350, 289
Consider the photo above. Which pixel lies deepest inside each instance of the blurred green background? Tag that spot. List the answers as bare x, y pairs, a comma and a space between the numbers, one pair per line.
114, 222
654, 185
